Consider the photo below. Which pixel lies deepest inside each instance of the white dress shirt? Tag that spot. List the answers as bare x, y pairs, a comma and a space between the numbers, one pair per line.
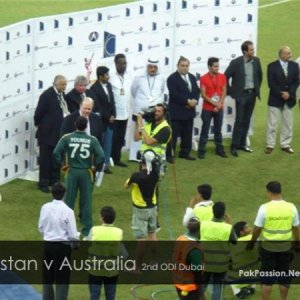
57, 222
122, 94
147, 91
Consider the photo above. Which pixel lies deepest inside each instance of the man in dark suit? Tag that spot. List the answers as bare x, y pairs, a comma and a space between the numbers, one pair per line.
105, 105
283, 80
183, 98
244, 76
48, 118
94, 126
79, 92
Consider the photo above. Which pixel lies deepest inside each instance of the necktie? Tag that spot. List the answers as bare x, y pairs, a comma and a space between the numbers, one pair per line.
285, 68
63, 104
187, 82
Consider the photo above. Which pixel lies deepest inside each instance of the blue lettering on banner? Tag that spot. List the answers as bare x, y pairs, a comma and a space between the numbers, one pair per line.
109, 44
56, 23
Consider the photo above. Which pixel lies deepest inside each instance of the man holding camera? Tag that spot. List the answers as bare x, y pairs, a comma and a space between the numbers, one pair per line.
155, 133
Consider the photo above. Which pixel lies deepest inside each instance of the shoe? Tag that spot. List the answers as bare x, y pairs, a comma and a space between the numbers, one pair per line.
120, 164
243, 294
222, 154
268, 150
234, 152
107, 170
44, 189
187, 157
201, 155
246, 149
170, 160
288, 150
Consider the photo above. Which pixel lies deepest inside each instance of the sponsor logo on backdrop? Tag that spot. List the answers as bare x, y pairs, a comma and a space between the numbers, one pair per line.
7, 55
28, 29
154, 26
167, 43
217, 3
249, 18
216, 40
16, 132
18, 74
182, 24
168, 5
110, 17
183, 4
36, 48
70, 22
233, 20
126, 32
28, 85
7, 36
153, 46
93, 36
216, 20
127, 12
233, 3
40, 84
56, 24
140, 47
154, 7
141, 10
229, 40
5, 97
167, 61
70, 41
99, 17
53, 63
42, 26
16, 112
28, 48
5, 155
69, 61
250, 1
196, 6
109, 44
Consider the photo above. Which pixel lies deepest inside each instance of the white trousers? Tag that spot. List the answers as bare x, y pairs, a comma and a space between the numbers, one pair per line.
286, 133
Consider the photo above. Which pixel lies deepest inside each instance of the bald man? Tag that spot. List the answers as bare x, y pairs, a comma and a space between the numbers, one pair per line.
283, 80
94, 126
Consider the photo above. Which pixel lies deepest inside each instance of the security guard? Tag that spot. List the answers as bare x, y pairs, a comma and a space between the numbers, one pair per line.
82, 152
277, 225
188, 252
217, 235
106, 244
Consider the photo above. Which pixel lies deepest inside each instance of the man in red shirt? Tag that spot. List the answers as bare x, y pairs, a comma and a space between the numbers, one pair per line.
213, 91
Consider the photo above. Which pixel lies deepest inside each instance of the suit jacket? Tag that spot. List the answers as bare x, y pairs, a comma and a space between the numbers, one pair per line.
278, 82
103, 105
236, 72
48, 118
179, 94
73, 99
96, 126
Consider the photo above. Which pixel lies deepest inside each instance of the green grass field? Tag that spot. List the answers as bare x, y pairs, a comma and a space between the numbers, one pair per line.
240, 182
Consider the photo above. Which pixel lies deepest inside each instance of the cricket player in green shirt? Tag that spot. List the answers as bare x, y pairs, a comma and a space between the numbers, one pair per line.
82, 153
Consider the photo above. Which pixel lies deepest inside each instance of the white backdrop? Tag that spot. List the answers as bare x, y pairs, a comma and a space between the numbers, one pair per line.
34, 51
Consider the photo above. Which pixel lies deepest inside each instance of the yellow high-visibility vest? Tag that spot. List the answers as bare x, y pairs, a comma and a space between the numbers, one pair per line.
277, 229
215, 237
159, 149
204, 213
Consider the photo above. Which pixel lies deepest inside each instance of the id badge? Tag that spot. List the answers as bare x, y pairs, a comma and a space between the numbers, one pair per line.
122, 92
215, 98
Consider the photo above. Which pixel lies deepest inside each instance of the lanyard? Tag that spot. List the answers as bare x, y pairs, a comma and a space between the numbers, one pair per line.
151, 86
121, 78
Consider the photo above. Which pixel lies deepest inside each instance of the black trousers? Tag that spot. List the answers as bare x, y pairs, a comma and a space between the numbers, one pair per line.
118, 139
54, 255
244, 105
49, 174
184, 130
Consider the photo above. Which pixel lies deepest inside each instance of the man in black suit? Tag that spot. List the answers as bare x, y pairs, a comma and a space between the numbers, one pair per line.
79, 92
48, 118
94, 126
246, 76
283, 80
105, 105
183, 98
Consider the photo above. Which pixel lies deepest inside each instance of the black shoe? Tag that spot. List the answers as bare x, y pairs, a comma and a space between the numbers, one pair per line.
170, 160
234, 152
44, 189
201, 155
243, 294
121, 164
246, 149
251, 290
187, 157
107, 170
222, 154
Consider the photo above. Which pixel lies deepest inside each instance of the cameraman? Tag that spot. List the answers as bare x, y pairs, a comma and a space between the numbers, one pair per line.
155, 133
